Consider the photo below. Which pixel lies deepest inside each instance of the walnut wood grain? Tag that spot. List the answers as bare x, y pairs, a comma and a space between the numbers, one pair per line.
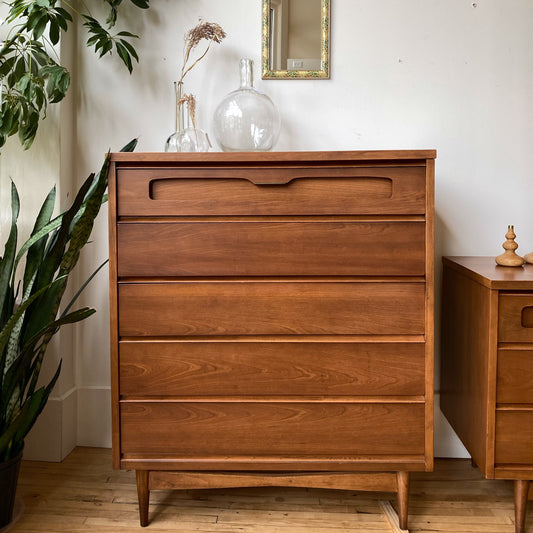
162, 480
300, 190
352, 157
272, 314
252, 368
487, 367
270, 308
466, 323
515, 375
486, 272
264, 429
143, 495
514, 435
245, 249
430, 311
372, 464
521, 488
113, 318
403, 498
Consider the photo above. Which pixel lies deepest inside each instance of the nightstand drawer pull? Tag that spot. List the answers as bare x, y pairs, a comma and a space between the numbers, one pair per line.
527, 317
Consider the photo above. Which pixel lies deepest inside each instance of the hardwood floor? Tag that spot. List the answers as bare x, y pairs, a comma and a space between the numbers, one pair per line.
83, 493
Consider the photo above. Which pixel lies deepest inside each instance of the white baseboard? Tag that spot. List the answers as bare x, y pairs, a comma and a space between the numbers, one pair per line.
80, 417
53, 436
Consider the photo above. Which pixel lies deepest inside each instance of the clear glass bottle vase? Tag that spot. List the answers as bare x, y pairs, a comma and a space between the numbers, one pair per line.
187, 137
246, 119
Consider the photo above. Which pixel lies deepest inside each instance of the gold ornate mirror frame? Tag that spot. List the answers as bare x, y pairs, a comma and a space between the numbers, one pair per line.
268, 72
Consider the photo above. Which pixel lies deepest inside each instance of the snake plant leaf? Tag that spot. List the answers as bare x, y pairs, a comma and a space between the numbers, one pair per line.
53, 259
130, 146
7, 261
83, 227
25, 419
16, 371
34, 256
56, 222
10, 324
82, 288
14, 338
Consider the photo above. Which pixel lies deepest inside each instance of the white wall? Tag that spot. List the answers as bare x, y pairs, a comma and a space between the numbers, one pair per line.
453, 75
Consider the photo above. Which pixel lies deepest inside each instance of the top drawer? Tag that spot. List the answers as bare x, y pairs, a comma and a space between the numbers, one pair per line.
272, 190
516, 317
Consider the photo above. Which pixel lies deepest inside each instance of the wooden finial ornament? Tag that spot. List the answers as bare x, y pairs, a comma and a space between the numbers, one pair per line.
510, 258
528, 258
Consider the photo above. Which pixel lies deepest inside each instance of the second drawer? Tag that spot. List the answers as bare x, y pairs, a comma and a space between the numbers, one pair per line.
515, 376
271, 248
204, 368
192, 308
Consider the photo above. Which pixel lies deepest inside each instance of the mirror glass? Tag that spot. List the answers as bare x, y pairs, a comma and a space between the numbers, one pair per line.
295, 39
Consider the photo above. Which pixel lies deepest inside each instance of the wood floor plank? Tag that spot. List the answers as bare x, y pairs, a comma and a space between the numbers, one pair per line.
84, 494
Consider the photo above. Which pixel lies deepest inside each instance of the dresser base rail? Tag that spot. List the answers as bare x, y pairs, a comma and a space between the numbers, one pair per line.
148, 480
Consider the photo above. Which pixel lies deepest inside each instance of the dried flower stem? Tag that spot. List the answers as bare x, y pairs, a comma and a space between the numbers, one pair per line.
191, 104
211, 32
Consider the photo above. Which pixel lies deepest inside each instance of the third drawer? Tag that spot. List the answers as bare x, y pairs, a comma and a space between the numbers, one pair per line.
193, 308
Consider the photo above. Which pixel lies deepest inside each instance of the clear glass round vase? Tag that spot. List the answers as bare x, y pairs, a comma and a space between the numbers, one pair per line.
246, 119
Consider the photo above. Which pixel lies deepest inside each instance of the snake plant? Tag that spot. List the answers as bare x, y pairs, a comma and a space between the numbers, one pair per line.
30, 311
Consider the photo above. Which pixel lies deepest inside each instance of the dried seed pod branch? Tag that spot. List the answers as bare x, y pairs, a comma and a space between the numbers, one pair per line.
209, 31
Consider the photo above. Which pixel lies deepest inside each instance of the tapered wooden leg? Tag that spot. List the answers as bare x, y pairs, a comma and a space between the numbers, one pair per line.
143, 495
402, 479
521, 489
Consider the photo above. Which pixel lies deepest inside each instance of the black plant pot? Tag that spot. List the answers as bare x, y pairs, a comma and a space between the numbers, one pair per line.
9, 473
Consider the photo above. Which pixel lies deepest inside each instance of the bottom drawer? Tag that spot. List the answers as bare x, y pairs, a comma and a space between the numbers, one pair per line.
197, 429
514, 437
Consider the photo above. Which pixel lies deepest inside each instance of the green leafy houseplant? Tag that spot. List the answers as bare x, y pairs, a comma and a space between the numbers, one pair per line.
31, 76
30, 308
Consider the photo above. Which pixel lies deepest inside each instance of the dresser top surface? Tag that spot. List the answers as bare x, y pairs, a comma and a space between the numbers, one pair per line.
485, 271
273, 157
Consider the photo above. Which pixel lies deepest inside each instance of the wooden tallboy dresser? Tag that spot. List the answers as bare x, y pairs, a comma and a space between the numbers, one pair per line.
487, 367
272, 319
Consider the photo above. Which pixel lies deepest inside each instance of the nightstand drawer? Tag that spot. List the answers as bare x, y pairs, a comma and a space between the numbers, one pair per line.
515, 317
271, 248
191, 308
515, 376
281, 189
225, 368
514, 436
235, 429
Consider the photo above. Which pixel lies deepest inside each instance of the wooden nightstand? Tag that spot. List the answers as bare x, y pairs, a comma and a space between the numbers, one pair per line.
487, 367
